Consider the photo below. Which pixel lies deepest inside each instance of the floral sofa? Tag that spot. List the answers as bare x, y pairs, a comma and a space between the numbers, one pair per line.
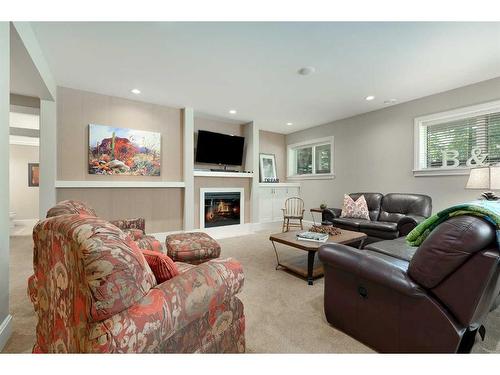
94, 292
135, 228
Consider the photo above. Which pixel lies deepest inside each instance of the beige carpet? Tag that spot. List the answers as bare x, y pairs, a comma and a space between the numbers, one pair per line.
284, 314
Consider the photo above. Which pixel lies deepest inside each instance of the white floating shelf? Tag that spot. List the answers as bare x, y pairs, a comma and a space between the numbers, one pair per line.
279, 184
222, 174
119, 184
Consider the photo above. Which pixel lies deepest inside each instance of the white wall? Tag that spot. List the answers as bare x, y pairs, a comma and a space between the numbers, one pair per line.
23, 198
374, 151
5, 318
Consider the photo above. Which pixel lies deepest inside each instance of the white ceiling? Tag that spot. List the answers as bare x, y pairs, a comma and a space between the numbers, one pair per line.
252, 67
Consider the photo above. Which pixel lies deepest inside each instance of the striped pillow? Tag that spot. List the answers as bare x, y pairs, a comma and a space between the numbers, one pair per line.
162, 266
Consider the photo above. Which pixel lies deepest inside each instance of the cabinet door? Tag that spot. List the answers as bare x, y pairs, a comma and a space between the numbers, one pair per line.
266, 205
279, 198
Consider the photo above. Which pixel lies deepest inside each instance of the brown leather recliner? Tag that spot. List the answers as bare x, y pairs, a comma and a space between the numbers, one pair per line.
434, 303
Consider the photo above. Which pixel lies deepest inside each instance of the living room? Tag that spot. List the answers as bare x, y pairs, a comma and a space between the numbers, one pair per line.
250, 187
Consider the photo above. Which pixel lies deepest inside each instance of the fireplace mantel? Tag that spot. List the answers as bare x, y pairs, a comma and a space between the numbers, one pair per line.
222, 174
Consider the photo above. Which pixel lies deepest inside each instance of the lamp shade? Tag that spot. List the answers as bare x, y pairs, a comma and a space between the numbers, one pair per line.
484, 178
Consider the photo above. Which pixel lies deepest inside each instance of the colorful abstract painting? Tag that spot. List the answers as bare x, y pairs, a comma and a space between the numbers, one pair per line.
123, 151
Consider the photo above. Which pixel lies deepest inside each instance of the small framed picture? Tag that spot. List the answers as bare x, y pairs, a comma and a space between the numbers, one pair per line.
267, 167
33, 174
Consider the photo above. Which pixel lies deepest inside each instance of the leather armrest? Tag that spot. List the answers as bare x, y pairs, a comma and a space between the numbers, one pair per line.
384, 270
407, 223
328, 214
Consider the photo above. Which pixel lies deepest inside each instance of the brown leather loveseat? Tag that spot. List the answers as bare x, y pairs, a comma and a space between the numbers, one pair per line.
391, 216
434, 303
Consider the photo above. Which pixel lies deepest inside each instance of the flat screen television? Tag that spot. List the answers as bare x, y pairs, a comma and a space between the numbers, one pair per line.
217, 148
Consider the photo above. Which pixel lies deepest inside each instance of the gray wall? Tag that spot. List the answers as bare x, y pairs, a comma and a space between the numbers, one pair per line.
374, 151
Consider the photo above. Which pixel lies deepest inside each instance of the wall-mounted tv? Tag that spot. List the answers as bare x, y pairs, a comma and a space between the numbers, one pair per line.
217, 148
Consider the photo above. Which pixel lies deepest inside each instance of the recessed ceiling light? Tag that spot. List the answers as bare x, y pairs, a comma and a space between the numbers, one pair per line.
307, 70
135, 91
390, 101
232, 111
289, 123
370, 97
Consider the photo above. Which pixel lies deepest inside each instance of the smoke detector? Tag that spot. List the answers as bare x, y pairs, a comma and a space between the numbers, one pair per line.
307, 70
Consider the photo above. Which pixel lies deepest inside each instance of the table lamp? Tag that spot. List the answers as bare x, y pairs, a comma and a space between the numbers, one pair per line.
486, 178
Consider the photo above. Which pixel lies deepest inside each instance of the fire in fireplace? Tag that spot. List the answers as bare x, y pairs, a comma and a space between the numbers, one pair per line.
222, 208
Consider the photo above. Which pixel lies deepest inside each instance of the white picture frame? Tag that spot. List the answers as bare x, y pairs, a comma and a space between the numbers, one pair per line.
267, 164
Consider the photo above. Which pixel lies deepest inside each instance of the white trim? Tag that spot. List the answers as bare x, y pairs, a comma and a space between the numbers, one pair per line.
441, 172
221, 190
320, 176
440, 117
279, 184
5, 331
25, 110
25, 222
188, 166
118, 184
24, 141
226, 231
222, 174
290, 164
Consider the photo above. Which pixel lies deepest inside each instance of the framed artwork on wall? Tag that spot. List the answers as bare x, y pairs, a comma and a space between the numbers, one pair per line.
33, 174
120, 151
267, 164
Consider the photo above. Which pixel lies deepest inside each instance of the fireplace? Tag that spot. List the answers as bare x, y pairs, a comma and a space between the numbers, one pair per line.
220, 207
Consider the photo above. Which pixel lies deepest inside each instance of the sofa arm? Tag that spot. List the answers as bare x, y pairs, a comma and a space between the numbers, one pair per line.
137, 223
328, 214
407, 223
371, 266
207, 289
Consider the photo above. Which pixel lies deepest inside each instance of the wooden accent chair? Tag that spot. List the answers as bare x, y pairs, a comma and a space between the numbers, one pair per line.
294, 210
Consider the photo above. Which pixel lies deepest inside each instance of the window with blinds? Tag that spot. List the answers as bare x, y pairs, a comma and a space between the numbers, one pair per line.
468, 137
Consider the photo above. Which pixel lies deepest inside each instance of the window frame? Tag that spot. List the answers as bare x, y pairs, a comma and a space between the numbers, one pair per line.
313, 143
439, 118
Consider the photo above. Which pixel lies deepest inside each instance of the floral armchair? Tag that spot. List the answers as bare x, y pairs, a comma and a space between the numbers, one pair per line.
93, 292
135, 228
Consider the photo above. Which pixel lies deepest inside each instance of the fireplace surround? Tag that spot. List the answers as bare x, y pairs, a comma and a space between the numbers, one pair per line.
221, 207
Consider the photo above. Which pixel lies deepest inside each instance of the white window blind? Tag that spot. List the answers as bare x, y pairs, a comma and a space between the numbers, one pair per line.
479, 132
454, 141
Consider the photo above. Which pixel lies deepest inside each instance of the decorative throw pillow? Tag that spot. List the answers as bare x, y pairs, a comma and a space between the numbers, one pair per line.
355, 209
162, 266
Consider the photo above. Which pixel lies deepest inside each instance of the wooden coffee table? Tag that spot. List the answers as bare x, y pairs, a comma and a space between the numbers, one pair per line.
313, 268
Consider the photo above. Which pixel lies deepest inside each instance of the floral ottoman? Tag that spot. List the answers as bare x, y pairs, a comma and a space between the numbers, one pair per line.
194, 248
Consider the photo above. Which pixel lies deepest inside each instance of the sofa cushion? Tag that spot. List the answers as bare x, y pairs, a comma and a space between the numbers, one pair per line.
162, 266
379, 225
381, 234
348, 222
397, 205
355, 208
373, 200
397, 248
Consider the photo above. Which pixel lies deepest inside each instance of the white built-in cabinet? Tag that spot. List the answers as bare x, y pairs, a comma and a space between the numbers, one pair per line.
272, 197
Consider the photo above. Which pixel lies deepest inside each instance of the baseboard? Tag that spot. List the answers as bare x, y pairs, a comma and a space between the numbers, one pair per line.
232, 230
5, 331
226, 231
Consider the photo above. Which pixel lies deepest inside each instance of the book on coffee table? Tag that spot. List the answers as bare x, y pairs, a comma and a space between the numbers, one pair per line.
312, 236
